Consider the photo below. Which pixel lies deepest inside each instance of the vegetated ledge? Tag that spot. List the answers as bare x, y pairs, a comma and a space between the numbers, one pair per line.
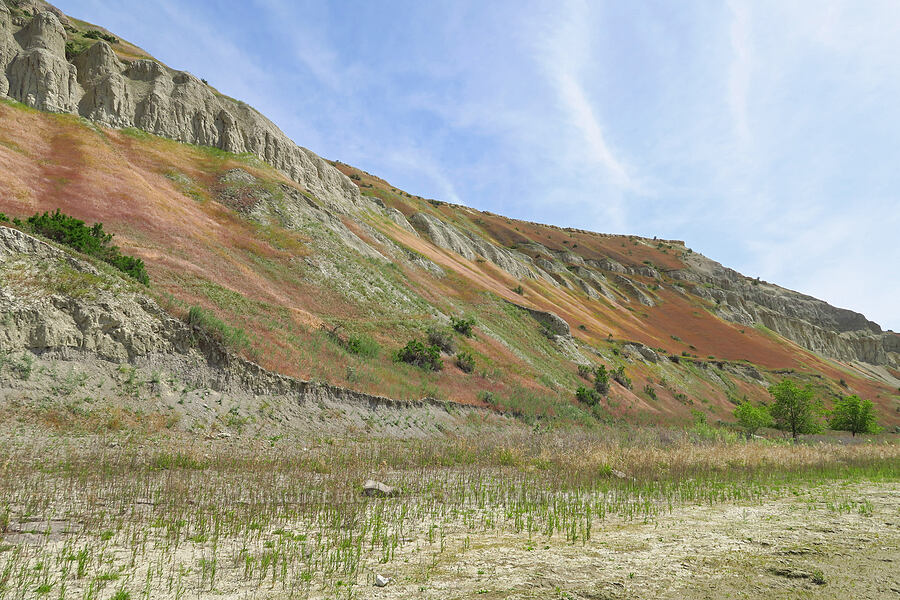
122, 324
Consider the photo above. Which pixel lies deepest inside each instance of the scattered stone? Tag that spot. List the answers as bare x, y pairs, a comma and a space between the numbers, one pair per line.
381, 581
376, 488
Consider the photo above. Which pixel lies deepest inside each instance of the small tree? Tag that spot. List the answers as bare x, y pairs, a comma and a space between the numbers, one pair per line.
795, 408
752, 418
853, 414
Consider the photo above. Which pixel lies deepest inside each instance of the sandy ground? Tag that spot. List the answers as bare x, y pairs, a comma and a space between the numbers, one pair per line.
828, 541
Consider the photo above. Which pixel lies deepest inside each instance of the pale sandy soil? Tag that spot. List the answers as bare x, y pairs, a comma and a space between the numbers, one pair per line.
828, 541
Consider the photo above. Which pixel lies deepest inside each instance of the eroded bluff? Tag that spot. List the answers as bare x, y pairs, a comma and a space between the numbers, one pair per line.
146, 94
812, 323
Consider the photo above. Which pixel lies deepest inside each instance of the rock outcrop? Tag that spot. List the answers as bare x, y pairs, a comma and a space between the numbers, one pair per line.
812, 323
146, 94
471, 246
101, 316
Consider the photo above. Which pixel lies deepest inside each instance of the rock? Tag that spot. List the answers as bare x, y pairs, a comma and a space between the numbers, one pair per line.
556, 324
382, 581
641, 352
376, 488
470, 246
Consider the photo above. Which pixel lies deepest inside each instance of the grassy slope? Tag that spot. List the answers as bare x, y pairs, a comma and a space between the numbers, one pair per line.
160, 199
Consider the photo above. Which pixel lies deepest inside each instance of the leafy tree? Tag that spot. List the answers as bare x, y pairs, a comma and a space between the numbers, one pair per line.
601, 380
752, 418
853, 414
795, 409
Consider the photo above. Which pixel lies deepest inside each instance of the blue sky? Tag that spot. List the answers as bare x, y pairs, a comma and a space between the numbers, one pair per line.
764, 134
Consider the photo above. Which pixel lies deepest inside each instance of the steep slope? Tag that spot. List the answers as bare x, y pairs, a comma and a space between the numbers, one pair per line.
304, 255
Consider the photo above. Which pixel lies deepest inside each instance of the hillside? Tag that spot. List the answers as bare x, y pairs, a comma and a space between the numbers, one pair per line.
299, 256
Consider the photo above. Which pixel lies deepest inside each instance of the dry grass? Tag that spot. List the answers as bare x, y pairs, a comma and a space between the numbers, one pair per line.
170, 517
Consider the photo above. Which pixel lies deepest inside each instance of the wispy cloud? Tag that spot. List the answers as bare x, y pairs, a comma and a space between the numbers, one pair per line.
739, 72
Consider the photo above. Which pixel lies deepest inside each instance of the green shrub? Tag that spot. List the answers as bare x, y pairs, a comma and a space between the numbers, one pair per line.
95, 34
519, 290
443, 339
752, 418
465, 361
234, 338
363, 345
648, 389
488, 397
3, 218
620, 376
601, 380
463, 326
92, 241
418, 354
584, 371
587, 395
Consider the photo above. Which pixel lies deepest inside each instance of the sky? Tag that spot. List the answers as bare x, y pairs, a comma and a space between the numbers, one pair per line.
766, 135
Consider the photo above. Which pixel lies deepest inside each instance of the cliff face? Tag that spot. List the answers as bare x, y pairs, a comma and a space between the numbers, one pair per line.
99, 86
813, 324
601, 277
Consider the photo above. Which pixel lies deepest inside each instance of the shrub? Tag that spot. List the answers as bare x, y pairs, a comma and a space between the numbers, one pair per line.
418, 354
752, 418
234, 338
584, 371
601, 380
623, 379
3, 218
488, 397
465, 361
92, 241
854, 415
363, 345
519, 290
443, 339
648, 389
95, 34
587, 396
463, 326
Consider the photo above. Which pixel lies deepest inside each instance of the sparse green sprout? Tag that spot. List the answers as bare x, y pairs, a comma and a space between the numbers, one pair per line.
853, 414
